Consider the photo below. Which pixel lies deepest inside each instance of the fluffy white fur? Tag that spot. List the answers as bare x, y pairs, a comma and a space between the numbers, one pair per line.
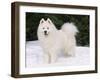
53, 40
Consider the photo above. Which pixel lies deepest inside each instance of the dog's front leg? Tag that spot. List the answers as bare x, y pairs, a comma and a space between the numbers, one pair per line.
53, 57
46, 58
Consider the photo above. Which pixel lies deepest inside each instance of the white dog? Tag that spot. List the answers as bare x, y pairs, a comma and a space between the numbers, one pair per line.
53, 40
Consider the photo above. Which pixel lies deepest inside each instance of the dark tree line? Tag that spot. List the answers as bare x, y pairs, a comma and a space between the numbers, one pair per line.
81, 21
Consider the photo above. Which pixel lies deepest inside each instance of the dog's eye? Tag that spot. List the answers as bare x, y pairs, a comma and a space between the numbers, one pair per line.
47, 27
43, 28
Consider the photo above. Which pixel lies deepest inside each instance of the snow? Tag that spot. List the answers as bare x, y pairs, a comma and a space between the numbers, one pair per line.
34, 56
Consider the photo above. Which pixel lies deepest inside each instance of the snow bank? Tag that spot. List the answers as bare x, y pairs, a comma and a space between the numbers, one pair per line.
34, 56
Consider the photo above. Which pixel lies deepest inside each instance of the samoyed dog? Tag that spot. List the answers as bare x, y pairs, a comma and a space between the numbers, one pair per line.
54, 41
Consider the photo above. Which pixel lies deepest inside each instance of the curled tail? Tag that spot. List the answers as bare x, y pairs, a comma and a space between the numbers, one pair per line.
69, 28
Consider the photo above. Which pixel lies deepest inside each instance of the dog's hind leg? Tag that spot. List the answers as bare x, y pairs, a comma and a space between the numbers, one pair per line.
69, 52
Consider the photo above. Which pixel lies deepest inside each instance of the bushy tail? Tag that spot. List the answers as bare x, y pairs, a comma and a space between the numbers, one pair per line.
69, 28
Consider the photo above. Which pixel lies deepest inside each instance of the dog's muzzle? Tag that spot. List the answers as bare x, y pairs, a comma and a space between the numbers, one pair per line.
45, 33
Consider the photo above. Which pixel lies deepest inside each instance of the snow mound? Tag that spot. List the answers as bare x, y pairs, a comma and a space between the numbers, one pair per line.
34, 56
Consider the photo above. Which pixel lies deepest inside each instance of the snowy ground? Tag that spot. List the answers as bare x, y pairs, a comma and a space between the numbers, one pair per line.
34, 56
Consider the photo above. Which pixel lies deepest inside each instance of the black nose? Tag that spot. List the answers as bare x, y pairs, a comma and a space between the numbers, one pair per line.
45, 32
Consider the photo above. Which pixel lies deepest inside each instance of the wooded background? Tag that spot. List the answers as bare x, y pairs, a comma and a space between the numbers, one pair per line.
81, 21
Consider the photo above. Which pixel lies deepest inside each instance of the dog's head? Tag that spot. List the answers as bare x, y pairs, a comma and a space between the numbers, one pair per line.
46, 26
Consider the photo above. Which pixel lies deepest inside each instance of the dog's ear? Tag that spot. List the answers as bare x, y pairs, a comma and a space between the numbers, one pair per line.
49, 21
42, 21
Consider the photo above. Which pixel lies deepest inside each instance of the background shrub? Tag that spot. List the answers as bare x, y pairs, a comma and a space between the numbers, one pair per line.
81, 21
